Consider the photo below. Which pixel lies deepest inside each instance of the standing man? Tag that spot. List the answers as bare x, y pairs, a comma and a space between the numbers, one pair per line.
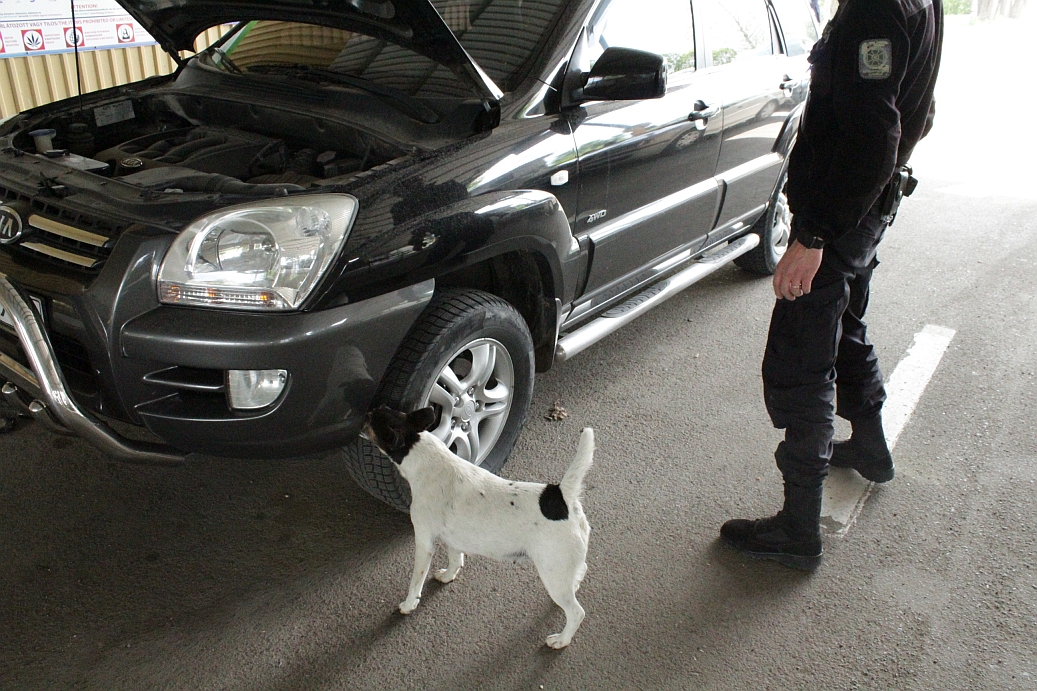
871, 100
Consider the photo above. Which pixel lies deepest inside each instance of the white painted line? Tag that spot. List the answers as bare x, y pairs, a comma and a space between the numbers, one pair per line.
845, 490
909, 379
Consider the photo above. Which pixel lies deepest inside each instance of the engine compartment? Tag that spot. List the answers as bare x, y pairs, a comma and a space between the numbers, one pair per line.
204, 146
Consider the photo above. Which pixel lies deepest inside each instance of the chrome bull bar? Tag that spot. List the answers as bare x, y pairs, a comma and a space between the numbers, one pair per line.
50, 401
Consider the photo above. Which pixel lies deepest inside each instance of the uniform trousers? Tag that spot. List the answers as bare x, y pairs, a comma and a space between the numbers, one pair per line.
819, 362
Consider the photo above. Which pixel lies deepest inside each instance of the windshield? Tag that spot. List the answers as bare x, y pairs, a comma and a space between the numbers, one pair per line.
261, 45
502, 36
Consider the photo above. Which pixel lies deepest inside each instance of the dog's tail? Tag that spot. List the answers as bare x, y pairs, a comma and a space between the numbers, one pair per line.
572, 483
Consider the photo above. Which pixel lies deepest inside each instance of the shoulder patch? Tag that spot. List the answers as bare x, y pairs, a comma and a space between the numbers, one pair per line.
875, 60
552, 504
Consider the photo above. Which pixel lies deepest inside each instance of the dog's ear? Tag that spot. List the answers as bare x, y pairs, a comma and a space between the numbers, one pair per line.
424, 419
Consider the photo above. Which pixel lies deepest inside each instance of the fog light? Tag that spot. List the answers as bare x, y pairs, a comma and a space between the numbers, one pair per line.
248, 389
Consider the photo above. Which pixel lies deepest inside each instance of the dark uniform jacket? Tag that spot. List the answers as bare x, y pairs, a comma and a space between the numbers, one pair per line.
871, 101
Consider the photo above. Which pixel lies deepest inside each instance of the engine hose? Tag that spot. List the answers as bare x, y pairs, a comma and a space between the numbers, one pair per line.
179, 153
303, 162
227, 185
157, 149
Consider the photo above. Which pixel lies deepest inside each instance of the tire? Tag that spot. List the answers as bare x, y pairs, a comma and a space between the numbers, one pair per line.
769, 108
470, 356
773, 228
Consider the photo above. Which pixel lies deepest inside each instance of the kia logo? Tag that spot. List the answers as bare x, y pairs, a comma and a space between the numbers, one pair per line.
11, 226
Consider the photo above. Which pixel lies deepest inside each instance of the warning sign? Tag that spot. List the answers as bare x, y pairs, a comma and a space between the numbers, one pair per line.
74, 37
33, 40
31, 27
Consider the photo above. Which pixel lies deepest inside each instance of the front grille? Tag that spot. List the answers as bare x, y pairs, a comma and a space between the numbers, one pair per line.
12, 347
64, 237
75, 364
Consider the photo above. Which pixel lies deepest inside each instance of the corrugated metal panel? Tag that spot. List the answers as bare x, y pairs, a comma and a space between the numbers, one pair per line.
34, 80
269, 41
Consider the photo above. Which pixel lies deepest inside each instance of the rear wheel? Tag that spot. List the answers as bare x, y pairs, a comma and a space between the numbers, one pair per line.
774, 228
769, 108
470, 356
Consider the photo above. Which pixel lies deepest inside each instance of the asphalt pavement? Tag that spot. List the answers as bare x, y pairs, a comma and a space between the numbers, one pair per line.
278, 576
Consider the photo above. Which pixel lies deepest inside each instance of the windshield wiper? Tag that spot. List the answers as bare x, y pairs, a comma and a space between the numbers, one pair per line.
413, 107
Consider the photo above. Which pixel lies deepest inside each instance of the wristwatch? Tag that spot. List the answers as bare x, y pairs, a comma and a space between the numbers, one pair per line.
811, 242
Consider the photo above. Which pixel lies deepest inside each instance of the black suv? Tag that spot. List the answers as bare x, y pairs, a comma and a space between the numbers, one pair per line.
344, 203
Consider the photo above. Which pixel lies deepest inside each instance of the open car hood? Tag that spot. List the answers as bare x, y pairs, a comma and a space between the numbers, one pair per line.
413, 24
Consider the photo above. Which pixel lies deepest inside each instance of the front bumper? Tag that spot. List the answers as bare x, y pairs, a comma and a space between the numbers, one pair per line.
50, 401
162, 363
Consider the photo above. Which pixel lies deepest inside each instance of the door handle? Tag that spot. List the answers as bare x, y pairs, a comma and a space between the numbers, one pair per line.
702, 112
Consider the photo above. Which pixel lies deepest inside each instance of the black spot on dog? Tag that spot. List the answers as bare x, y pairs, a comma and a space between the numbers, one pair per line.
552, 504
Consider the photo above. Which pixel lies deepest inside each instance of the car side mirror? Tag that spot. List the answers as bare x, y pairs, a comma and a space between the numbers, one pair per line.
624, 74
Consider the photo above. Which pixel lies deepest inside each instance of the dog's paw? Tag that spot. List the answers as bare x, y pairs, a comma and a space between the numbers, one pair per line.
443, 577
556, 641
408, 606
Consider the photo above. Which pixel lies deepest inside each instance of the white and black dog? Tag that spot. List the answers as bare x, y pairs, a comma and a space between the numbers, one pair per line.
472, 510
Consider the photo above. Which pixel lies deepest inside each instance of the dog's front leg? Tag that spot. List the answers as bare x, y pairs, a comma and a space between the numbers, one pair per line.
424, 546
456, 562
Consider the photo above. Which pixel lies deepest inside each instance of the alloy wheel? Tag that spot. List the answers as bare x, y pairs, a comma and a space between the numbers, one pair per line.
473, 395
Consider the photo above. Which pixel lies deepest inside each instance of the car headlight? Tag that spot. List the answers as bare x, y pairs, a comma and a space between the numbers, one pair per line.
265, 255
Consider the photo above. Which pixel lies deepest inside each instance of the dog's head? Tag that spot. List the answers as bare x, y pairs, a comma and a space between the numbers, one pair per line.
394, 433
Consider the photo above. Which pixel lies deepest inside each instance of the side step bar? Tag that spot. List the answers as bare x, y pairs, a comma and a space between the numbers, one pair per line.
620, 315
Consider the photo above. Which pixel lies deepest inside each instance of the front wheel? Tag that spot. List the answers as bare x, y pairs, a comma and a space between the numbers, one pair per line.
470, 356
774, 229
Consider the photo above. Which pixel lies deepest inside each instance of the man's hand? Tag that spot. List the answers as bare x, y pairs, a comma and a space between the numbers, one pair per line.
795, 271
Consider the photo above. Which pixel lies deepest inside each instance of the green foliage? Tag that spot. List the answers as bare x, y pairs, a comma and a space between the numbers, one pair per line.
957, 7
676, 62
722, 56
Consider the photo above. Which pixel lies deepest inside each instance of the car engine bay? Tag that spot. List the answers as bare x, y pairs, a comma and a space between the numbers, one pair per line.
160, 147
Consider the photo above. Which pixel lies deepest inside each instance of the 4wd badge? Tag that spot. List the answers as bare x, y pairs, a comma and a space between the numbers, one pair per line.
11, 225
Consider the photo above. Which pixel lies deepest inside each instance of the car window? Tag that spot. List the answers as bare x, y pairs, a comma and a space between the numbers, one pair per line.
261, 44
265, 43
666, 28
736, 30
501, 35
797, 25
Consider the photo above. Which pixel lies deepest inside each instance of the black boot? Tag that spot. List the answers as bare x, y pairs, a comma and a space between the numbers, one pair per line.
865, 451
792, 537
